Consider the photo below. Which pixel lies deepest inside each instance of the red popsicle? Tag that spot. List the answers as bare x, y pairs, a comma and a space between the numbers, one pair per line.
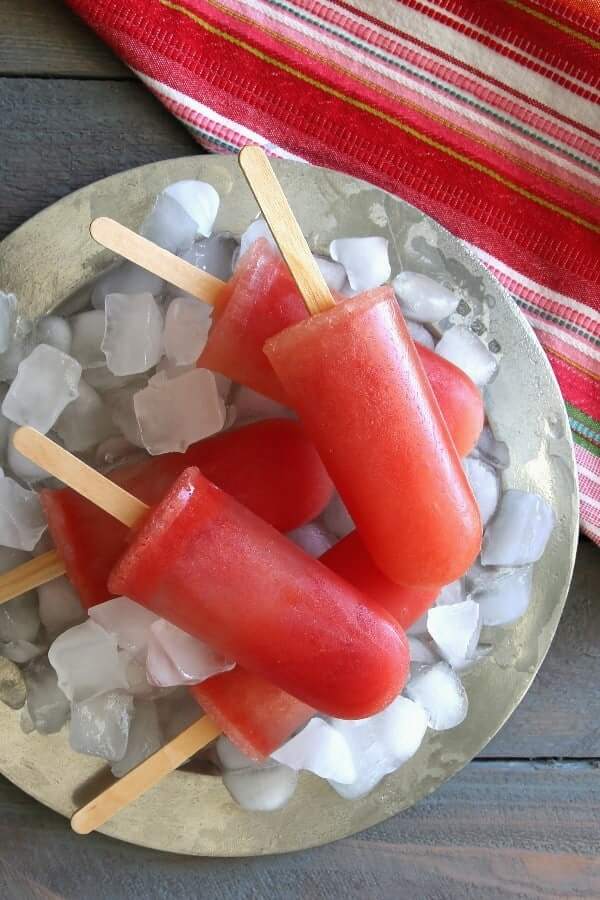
217, 571
354, 377
261, 300
270, 467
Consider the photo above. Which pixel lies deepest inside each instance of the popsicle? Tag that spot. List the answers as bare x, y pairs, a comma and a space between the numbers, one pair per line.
352, 373
269, 466
259, 301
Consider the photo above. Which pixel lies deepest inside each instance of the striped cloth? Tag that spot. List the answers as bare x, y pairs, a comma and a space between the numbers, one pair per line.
482, 113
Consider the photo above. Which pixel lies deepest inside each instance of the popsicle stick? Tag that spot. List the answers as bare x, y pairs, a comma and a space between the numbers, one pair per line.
131, 786
79, 476
286, 231
149, 256
30, 575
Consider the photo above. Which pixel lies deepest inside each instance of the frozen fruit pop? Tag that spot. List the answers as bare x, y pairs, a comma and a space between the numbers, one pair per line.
210, 566
261, 300
355, 379
270, 467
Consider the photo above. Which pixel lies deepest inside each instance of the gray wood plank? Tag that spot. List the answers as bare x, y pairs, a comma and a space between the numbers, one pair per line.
496, 830
60, 135
43, 37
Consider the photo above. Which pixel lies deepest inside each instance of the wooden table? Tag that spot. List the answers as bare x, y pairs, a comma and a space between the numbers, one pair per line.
523, 820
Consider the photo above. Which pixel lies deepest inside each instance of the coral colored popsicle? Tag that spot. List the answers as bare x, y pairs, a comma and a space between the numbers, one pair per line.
261, 300
214, 569
270, 467
353, 375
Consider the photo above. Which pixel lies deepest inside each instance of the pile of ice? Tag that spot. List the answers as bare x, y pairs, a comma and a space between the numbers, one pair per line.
115, 376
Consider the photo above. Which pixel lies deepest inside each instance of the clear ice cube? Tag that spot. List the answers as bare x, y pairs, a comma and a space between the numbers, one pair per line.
504, 598
120, 404
451, 593
59, 606
420, 652
177, 412
493, 452
519, 532
54, 331
133, 339
336, 518
255, 230
87, 662
85, 422
126, 278
175, 657
213, 254
321, 749
47, 381
87, 336
103, 380
251, 406
455, 629
261, 789
333, 272
187, 324
422, 299
199, 200
47, 706
440, 692
22, 521
420, 334
100, 726
365, 260
19, 618
485, 485
145, 737
21, 652
19, 466
459, 345
313, 539
129, 622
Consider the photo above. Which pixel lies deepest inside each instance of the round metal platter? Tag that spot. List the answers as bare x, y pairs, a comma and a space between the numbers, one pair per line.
52, 257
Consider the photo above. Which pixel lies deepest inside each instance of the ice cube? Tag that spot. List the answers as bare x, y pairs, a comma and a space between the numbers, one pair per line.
46, 383
263, 788
26, 724
504, 598
251, 406
519, 531
423, 299
492, 451
463, 348
178, 412
451, 593
8, 313
333, 273
313, 539
455, 629
19, 618
254, 231
192, 661
85, 422
100, 726
116, 451
187, 324
21, 651
381, 744
418, 627
231, 758
59, 606
18, 350
145, 737
177, 711
440, 692
365, 260
169, 225
420, 653
47, 706
126, 278
127, 621
54, 331
199, 200
485, 485
103, 380
19, 465
336, 518
137, 682
213, 254
22, 521
321, 749
87, 336
420, 334
133, 339
120, 404
87, 662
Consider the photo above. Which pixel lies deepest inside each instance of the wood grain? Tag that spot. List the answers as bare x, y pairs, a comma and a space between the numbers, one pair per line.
29, 575
496, 830
60, 135
43, 37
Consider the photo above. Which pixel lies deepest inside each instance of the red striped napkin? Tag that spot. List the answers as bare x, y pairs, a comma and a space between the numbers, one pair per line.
483, 114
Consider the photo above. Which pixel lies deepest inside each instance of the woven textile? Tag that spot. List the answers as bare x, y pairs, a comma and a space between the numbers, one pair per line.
483, 113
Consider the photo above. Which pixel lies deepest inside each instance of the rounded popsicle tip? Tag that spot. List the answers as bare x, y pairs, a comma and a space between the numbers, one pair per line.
81, 822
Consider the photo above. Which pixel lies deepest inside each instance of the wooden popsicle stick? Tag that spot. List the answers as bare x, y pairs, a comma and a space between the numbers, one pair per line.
149, 256
79, 476
30, 575
278, 213
143, 777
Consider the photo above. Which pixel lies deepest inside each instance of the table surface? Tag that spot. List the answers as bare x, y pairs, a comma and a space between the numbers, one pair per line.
522, 820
